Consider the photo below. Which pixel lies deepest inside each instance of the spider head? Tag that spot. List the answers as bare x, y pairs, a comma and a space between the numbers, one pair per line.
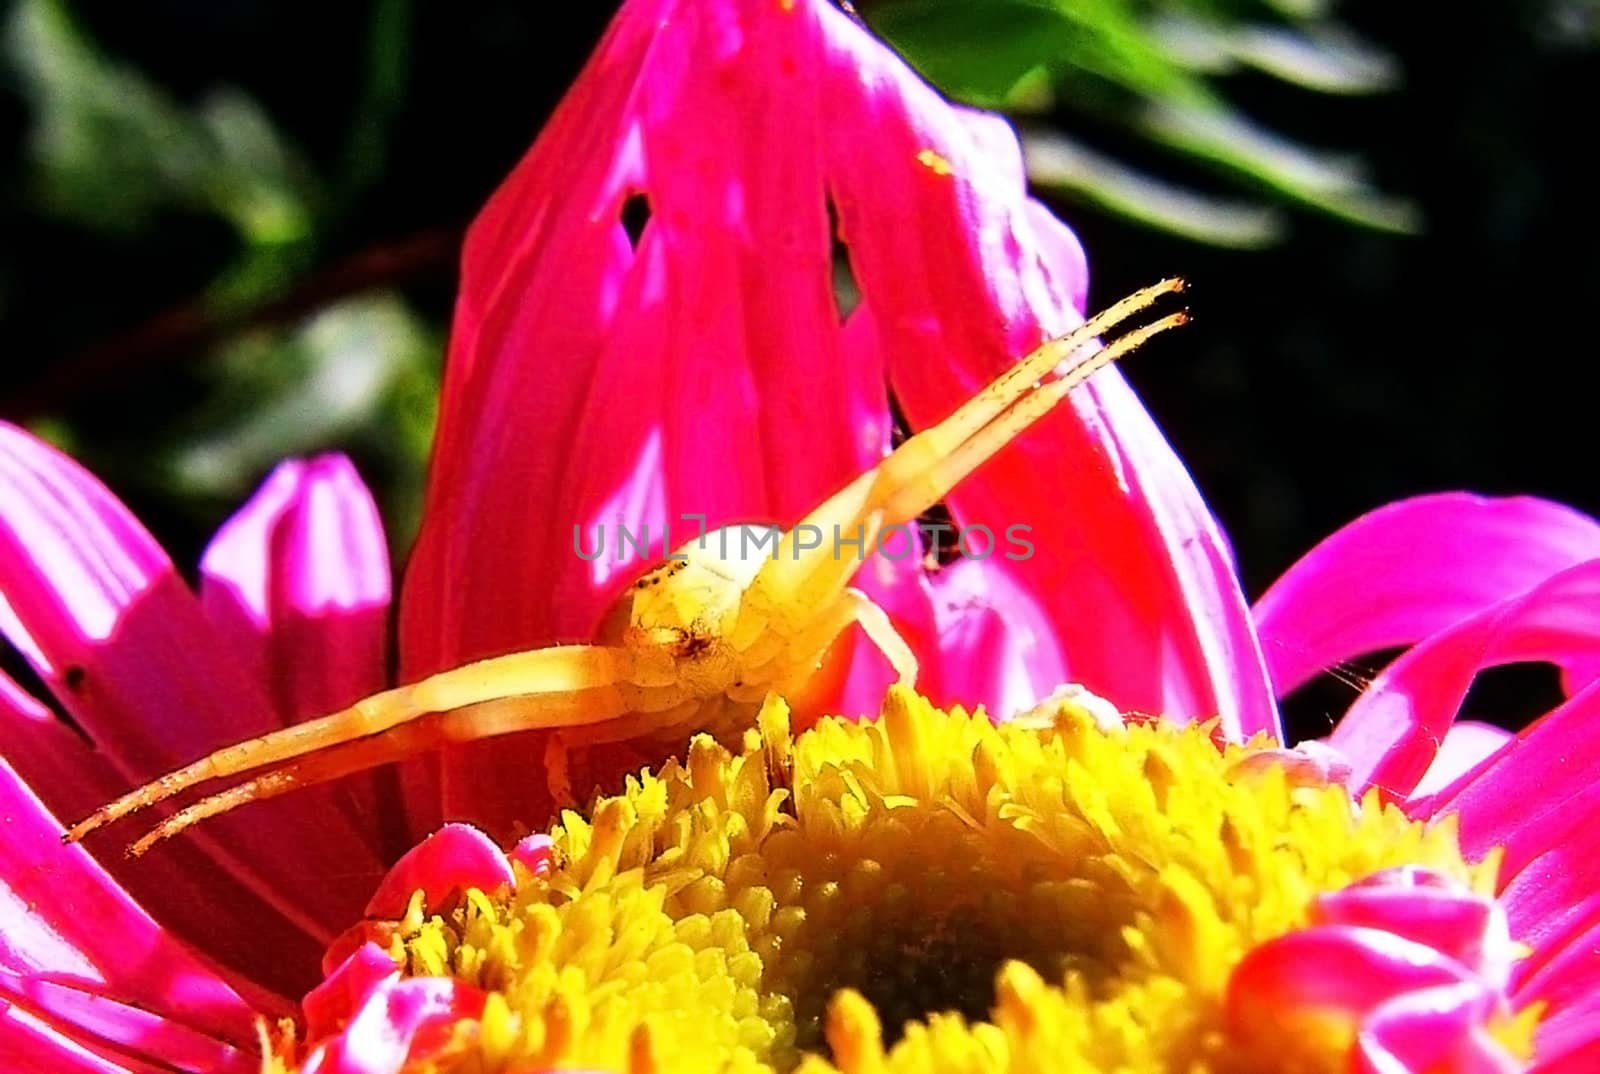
686, 603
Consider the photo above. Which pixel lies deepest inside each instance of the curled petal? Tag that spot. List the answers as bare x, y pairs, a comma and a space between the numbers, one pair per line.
99, 939
1434, 1031
1334, 968
456, 857
1398, 1006
1410, 569
1392, 732
329, 1006
536, 853
400, 1018
1431, 909
299, 578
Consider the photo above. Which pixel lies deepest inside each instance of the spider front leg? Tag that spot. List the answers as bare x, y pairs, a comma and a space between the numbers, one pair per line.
556, 687
485, 719
782, 661
875, 623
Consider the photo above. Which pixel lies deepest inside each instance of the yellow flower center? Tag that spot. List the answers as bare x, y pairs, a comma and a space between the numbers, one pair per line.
924, 892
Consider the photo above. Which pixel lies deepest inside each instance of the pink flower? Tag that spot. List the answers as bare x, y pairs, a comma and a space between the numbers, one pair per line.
597, 381
290, 619
707, 370
1469, 583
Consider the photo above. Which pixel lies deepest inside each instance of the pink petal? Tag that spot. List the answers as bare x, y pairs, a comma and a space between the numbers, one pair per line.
1434, 1031
536, 853
329, 1006
29, 1044
1427, 908
722, 328
1551, 872
1118, 523
121, 1030
1412, 1009
456, 857
1569, 1042
299, 579
108, 624
399, 1016
1409, 569
1392, 731
298, 582
994, 641
1334, 968
727, 341
185, 888
1567, 981
61, 914
1581, 1059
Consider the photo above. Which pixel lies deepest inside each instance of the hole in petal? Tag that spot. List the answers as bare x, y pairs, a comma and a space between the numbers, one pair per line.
635, 215
1312, 709
1512, 696
846, 291
21, 672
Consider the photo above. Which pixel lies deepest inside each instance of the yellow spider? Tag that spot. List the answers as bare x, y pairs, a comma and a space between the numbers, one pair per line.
694, 645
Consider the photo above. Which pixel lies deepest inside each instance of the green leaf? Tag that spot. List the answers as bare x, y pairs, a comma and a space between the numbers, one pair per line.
1059, 164
1331, 183
979, 52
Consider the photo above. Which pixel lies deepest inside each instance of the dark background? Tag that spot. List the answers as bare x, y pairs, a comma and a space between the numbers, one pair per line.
1335, 371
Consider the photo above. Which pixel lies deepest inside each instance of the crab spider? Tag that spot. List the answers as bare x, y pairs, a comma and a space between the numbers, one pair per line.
694, 645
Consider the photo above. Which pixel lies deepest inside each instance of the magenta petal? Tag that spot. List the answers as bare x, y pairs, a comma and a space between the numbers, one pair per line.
1551, 871
722, 326
1568, 1041
1434, 1031
99, 611
536, 853
1409, 569
1118, 523
1581, 1058
298, 583
995, 644
456, 857
1567, 980
183, 887
29, 1044
123, 1031
1430, 909
1391, 733
299, 578
329, 1006
397, 1016
61, 914
1340, 968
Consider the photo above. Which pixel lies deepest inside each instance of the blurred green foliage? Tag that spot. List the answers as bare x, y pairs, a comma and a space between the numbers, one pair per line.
1151, 72
111, 152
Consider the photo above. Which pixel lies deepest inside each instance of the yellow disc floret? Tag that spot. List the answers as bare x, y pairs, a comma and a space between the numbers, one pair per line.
923, 892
